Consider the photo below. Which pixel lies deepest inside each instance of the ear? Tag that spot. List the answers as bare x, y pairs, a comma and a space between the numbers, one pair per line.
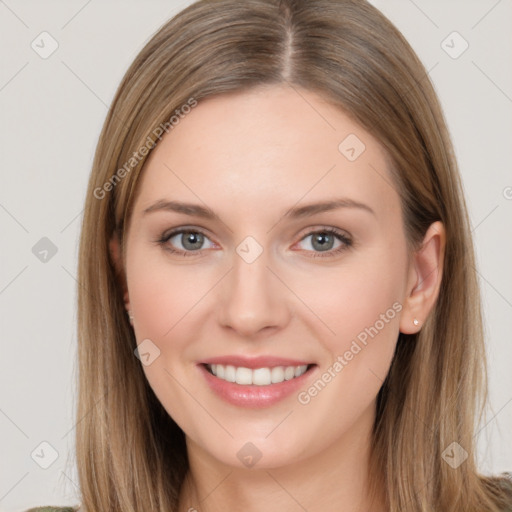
424, 282
117, 260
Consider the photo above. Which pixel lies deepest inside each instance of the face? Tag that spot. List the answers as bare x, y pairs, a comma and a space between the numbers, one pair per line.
300, 305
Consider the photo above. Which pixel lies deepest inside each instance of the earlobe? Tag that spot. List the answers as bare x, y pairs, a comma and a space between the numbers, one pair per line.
425, 275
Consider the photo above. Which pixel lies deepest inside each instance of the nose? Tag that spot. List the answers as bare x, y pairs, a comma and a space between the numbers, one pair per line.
253, 298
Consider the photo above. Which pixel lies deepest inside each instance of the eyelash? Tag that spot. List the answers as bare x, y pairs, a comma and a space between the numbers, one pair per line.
346, 242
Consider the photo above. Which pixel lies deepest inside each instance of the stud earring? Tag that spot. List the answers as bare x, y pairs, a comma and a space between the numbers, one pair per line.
130, 316
416, 321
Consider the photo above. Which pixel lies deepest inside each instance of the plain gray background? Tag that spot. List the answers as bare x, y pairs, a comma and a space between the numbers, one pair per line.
52, 110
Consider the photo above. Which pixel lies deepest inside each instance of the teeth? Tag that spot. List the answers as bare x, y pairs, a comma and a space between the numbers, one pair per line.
289, 373
230, 373
243, 376
259, 376
277, 374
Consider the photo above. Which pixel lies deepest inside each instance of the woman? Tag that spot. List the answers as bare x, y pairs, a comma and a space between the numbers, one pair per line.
278, 305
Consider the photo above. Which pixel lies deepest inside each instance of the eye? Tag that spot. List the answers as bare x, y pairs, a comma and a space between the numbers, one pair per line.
323, 240
191, 241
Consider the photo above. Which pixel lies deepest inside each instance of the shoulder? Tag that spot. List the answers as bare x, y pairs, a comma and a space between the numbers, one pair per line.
505, 485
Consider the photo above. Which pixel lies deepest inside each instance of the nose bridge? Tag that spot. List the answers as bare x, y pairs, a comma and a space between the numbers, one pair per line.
253, 297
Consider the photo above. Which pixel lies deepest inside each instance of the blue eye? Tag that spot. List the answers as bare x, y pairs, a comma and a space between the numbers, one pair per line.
324, 239
190, 239
192, 242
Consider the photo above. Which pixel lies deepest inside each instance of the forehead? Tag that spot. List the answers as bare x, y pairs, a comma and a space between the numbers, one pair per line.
266, 147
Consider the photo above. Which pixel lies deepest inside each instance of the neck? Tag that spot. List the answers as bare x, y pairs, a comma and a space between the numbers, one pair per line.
332, 480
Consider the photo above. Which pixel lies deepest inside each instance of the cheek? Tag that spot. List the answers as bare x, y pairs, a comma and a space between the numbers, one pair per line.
359, 299
359, 356
160, 294
162, 298
359, 304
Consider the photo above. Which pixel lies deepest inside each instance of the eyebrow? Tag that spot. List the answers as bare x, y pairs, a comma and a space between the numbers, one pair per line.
294, 213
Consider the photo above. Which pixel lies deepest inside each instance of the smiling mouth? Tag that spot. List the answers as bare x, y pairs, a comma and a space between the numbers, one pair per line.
264, 376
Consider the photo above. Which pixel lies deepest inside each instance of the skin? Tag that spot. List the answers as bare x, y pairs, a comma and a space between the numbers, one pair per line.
250, 157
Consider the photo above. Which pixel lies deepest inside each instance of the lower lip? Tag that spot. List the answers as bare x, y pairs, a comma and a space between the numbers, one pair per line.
254, 396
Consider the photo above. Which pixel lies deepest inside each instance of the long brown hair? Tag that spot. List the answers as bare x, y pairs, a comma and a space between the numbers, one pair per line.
131, 455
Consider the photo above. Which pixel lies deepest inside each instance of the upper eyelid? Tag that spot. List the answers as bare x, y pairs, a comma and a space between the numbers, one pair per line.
178, 231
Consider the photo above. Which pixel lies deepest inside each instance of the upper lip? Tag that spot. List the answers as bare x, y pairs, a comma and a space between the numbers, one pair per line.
255, 362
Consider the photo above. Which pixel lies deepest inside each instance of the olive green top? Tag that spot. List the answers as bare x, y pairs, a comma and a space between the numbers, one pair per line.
507, 486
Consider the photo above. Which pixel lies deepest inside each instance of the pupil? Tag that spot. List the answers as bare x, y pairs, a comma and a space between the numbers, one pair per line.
194, 239
321, 240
